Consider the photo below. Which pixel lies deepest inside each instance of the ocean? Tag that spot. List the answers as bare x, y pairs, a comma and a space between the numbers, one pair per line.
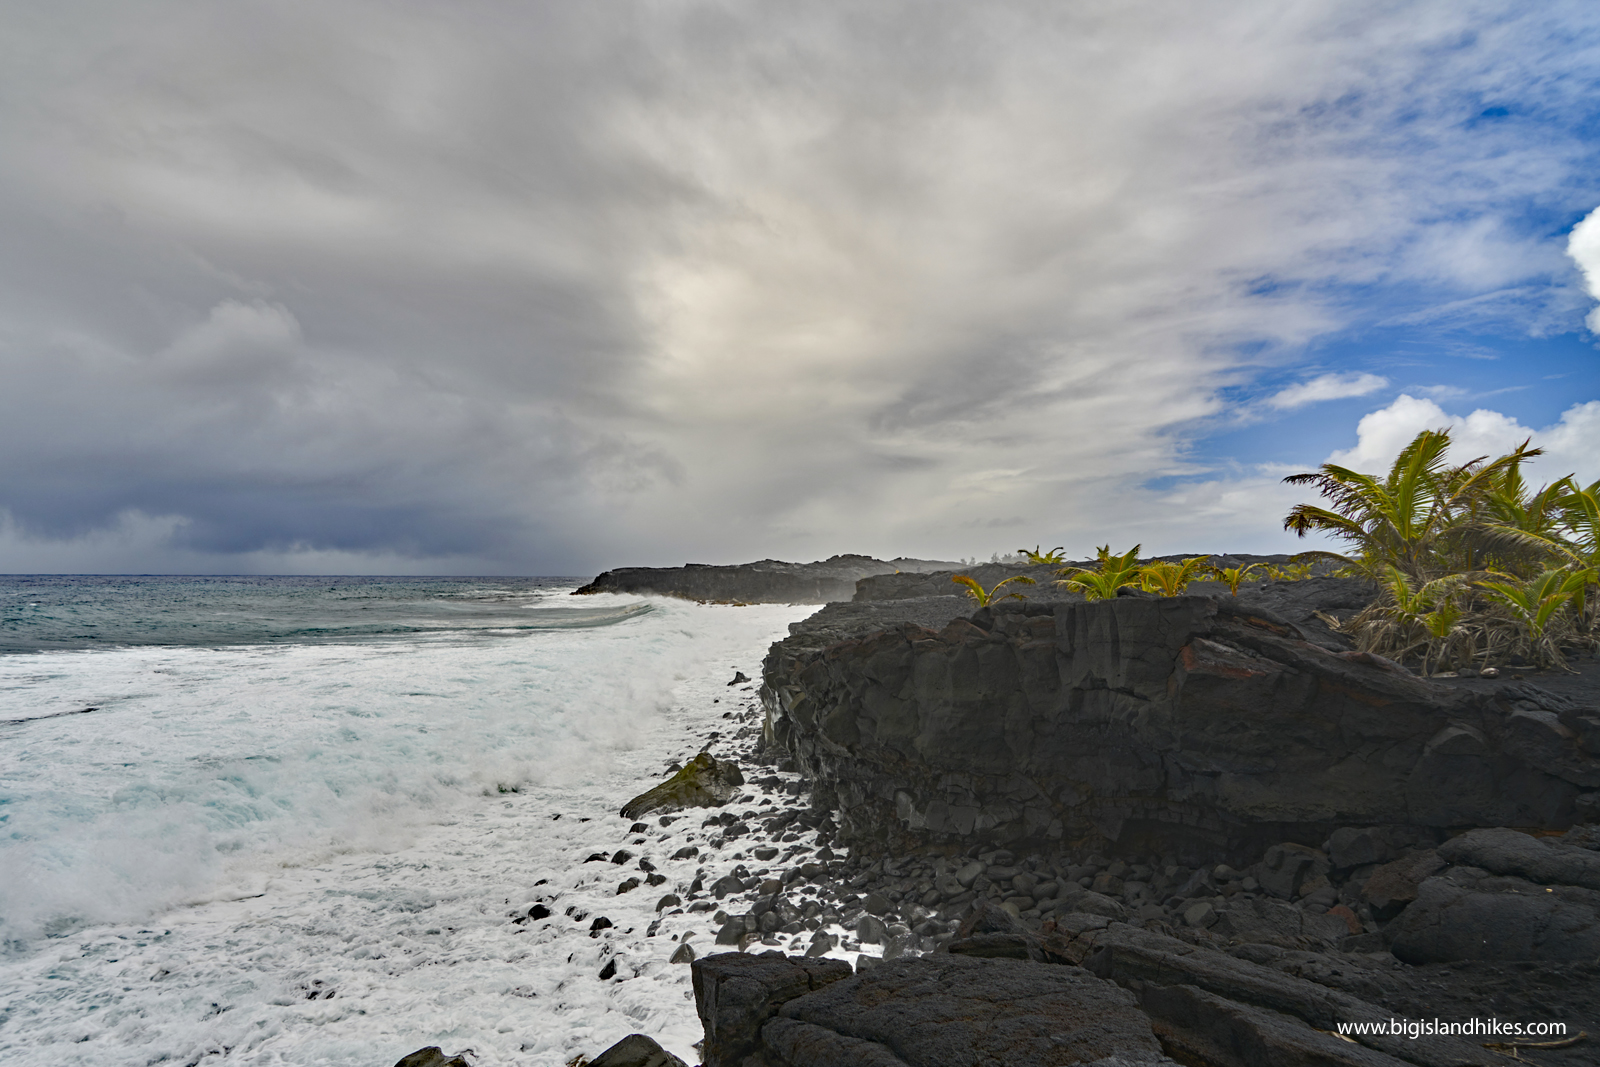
287, 820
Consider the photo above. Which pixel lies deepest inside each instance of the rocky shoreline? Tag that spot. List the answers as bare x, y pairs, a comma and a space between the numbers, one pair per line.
837, 919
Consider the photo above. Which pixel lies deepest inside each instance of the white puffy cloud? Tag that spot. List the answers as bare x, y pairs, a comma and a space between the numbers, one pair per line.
1326, 387
1571, 445
1244, 512
1583, 245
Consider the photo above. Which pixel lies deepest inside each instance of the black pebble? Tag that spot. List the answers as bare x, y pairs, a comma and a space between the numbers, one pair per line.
609, 970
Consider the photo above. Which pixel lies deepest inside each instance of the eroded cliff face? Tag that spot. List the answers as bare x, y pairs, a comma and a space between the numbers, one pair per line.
1196, 726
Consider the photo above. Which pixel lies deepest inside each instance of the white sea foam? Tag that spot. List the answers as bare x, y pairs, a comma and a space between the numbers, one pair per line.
234, 830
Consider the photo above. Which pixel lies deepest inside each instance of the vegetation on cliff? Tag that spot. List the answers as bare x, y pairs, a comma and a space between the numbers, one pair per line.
1473, 566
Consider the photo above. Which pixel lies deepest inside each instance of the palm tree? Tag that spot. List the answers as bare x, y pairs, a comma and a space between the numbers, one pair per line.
1115, 573
984, 599
1407, 616
1037, 558
1444, 628
1561, 523
1536, 604
1405, 518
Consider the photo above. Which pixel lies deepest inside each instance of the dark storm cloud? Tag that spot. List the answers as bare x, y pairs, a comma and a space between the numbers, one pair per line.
548, 287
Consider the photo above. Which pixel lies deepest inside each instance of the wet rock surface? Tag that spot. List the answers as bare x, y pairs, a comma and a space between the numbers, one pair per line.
704, 782
636, 1050
433, 1056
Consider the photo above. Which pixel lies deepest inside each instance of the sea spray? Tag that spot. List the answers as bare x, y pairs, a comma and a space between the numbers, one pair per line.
199, 767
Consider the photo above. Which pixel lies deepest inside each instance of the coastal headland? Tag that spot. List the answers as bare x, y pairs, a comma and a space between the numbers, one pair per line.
1199, 829
766, 581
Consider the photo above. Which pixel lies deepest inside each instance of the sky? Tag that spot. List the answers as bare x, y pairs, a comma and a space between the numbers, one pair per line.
546, 288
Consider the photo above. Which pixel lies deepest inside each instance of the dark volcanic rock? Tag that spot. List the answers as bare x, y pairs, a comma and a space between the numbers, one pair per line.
736, 994
1274, 923
911, 585
1502, 851
705, 782
1163, 968
1194, 726
1394, 885
636, 1050
768, 581
433, 1056
927, 1012
1469, 914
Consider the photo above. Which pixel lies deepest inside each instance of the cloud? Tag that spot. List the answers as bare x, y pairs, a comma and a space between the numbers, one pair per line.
1571, 445
552, 287
1243, 512
1583, 245
1326, 387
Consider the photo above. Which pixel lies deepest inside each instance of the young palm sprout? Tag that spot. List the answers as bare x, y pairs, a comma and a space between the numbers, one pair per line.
1171, 579
984, 599
1115, 573
1234, 577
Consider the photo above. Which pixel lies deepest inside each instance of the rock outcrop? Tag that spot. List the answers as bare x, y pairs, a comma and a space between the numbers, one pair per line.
1202, 727
704, 782
1507, 896
767, 581
1107, 994
923, 1012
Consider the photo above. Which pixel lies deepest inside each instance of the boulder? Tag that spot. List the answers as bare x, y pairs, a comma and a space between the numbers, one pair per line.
706, 782
636, 1050
1272, 922
1288, 868
991, 932
1467, 913
1394, 885
1360, 846
1076, 898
